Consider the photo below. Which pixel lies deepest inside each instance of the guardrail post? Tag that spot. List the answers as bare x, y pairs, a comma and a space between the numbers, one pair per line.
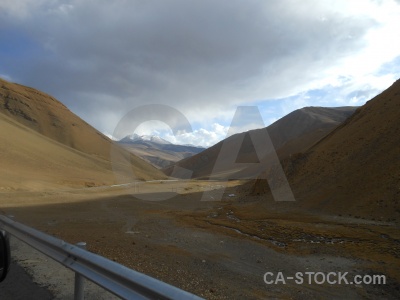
79, 279
113, 277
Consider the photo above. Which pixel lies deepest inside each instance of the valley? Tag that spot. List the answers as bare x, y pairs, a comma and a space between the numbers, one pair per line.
217, 249
217, 234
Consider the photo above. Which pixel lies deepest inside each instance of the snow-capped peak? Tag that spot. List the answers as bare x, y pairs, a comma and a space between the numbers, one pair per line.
131, 137
148, 138
154, 139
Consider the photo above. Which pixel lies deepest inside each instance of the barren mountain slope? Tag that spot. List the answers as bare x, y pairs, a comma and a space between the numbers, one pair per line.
355, 170
291, 134
32, 123
31, 161
51, 118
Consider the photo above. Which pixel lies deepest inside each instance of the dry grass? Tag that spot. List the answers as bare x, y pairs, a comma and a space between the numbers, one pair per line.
44, 146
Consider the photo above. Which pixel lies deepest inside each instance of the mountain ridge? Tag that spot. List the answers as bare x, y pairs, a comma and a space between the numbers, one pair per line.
356, 166
291, 134
149, 138
24, 109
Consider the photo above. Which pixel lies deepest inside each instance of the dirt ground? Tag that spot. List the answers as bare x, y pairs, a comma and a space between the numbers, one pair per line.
217, 243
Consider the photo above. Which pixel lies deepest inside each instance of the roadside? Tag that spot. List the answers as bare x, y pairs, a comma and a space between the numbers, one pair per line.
33, 275
19, 285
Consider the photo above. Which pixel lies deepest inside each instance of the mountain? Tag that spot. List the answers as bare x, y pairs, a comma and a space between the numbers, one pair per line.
156, 150
136, 139
44, 144
356, 168
291, 134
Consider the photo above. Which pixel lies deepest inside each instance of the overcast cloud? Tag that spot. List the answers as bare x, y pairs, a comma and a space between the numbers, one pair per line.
204, 58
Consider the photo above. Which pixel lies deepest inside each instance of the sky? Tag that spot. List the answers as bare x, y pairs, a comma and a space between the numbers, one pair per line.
106, 59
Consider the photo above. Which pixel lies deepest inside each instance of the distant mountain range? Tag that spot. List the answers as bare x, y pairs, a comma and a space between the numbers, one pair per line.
156, 150
136, 139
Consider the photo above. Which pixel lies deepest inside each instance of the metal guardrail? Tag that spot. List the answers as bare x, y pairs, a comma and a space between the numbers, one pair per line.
117, 279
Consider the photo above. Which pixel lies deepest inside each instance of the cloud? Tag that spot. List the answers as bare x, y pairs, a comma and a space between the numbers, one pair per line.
200, 137
104, 58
